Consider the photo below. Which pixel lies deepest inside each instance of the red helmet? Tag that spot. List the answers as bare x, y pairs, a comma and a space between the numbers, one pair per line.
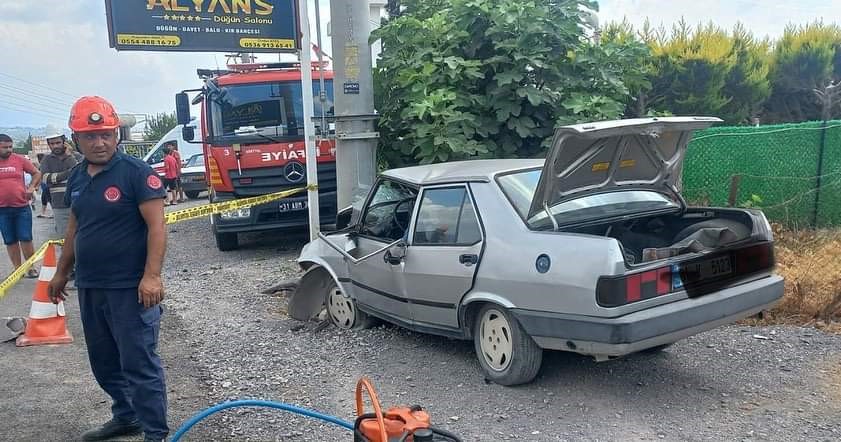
93, 113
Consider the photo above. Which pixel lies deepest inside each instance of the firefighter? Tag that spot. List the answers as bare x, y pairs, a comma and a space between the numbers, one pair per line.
117, 239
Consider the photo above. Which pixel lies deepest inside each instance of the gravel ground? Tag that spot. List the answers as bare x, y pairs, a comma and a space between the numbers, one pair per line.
726, 384
222, 339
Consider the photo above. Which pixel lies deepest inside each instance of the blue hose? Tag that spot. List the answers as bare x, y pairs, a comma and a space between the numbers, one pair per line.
256, 403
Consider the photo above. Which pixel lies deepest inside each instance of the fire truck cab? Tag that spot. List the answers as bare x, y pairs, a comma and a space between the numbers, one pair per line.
252, 133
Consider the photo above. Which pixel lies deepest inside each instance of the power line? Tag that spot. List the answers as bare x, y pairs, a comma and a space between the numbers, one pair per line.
38, 85
30, 112
37, 102
34, 94
37, 106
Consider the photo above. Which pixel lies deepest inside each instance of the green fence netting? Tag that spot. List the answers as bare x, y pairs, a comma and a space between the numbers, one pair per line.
778, 168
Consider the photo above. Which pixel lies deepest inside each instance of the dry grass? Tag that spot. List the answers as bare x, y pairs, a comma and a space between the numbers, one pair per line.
810, 261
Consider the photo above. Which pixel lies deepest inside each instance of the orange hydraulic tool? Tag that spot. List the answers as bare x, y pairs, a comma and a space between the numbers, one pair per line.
398, 424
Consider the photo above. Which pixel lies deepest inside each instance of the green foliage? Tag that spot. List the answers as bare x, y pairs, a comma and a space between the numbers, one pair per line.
158, 125
806, 58
753, 203
23, 147
464, 79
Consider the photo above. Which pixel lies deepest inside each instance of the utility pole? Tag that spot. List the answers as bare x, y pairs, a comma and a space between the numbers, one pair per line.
309, 127
353, 91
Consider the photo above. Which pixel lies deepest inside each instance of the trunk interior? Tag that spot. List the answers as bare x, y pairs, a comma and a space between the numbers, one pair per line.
650, 238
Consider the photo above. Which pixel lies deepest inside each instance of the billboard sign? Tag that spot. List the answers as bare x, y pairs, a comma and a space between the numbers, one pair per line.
203, 25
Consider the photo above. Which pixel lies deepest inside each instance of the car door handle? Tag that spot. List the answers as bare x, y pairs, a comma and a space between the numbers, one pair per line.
468, 259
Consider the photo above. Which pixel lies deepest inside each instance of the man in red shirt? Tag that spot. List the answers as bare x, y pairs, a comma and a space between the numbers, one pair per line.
15, 213
171, 172
180, 193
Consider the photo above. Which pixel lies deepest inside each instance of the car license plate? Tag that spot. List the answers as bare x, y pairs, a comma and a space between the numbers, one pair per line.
289, 206
698, 272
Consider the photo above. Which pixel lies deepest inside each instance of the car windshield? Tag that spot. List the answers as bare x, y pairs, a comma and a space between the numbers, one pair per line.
520, 187
273, 110
196, 160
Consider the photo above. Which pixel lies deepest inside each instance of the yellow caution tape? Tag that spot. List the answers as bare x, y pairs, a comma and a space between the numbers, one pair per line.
171, 218
226, 206
21, 271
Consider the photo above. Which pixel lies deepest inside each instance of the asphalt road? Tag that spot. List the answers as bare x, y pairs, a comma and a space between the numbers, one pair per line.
222, 339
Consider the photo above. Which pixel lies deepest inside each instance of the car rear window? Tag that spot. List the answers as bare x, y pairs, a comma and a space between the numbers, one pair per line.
520, 187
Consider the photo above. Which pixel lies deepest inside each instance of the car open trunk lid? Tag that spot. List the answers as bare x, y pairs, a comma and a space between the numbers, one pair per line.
645, 153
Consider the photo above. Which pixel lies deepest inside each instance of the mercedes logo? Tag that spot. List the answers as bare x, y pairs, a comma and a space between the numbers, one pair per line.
294, 172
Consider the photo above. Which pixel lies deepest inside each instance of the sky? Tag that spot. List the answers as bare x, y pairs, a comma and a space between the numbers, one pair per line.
54, 51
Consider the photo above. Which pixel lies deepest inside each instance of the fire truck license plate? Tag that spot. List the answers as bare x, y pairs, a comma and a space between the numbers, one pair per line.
289, 206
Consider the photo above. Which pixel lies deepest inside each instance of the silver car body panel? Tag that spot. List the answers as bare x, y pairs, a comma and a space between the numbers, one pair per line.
644, 153
430, 290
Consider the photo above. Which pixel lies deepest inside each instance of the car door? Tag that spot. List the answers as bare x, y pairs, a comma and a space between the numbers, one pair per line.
385, 220
442, 257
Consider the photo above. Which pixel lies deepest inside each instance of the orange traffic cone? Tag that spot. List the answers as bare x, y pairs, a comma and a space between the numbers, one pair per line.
46, 324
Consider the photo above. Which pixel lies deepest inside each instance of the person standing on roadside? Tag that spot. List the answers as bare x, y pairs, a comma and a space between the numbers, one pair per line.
173, 145
171, 170
15, 213
45, 193
117, 239
55, 168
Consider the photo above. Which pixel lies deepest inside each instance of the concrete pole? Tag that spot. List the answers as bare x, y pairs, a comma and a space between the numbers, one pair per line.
353, 91
309, 127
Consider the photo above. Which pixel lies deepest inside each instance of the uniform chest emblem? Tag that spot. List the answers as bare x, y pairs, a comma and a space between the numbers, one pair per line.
154, 182
112, 194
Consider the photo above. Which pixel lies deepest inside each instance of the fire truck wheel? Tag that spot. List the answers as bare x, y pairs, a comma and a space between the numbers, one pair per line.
193, 194
227, 241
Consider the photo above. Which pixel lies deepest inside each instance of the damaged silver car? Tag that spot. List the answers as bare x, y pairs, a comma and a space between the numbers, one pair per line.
593, 250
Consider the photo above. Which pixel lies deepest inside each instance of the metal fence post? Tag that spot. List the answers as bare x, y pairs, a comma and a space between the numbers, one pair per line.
818, 180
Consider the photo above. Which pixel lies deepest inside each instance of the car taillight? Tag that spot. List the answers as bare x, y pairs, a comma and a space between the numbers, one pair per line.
215, 176
613, 292
633, 287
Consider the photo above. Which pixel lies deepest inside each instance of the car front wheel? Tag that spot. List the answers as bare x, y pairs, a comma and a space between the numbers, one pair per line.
343, 312
506, 353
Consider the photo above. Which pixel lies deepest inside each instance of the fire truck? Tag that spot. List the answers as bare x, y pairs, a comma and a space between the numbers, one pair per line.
252, 133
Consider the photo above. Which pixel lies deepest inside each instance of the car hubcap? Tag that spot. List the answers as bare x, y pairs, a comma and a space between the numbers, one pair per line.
495, 335
341, 309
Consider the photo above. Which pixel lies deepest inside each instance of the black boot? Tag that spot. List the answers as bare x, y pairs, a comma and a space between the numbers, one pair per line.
112, 429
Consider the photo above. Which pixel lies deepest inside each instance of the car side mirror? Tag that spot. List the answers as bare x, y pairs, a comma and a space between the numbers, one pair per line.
343, 218
395, 254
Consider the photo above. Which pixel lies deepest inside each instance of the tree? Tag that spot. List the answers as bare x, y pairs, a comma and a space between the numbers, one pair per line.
24, 147
157, 126
805, 59
464, 79
698, 71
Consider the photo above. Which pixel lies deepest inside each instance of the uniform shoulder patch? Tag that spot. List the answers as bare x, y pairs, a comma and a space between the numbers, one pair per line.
154, 182
113, 194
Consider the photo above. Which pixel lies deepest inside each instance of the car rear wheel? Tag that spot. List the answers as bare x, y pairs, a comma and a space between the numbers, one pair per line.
506, 353
342, 310
193, 194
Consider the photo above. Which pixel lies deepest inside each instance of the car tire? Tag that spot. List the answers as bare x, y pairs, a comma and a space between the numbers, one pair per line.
507, 354
194, 194
657, 349
226, 242
343, 311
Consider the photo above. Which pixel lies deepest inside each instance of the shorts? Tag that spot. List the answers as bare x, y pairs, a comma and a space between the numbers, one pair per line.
16, 224
171, 183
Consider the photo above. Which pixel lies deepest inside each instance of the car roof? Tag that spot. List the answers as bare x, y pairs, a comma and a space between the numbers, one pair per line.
460, 171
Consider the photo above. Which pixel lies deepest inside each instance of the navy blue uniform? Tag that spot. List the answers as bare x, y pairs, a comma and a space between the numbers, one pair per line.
110, 245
